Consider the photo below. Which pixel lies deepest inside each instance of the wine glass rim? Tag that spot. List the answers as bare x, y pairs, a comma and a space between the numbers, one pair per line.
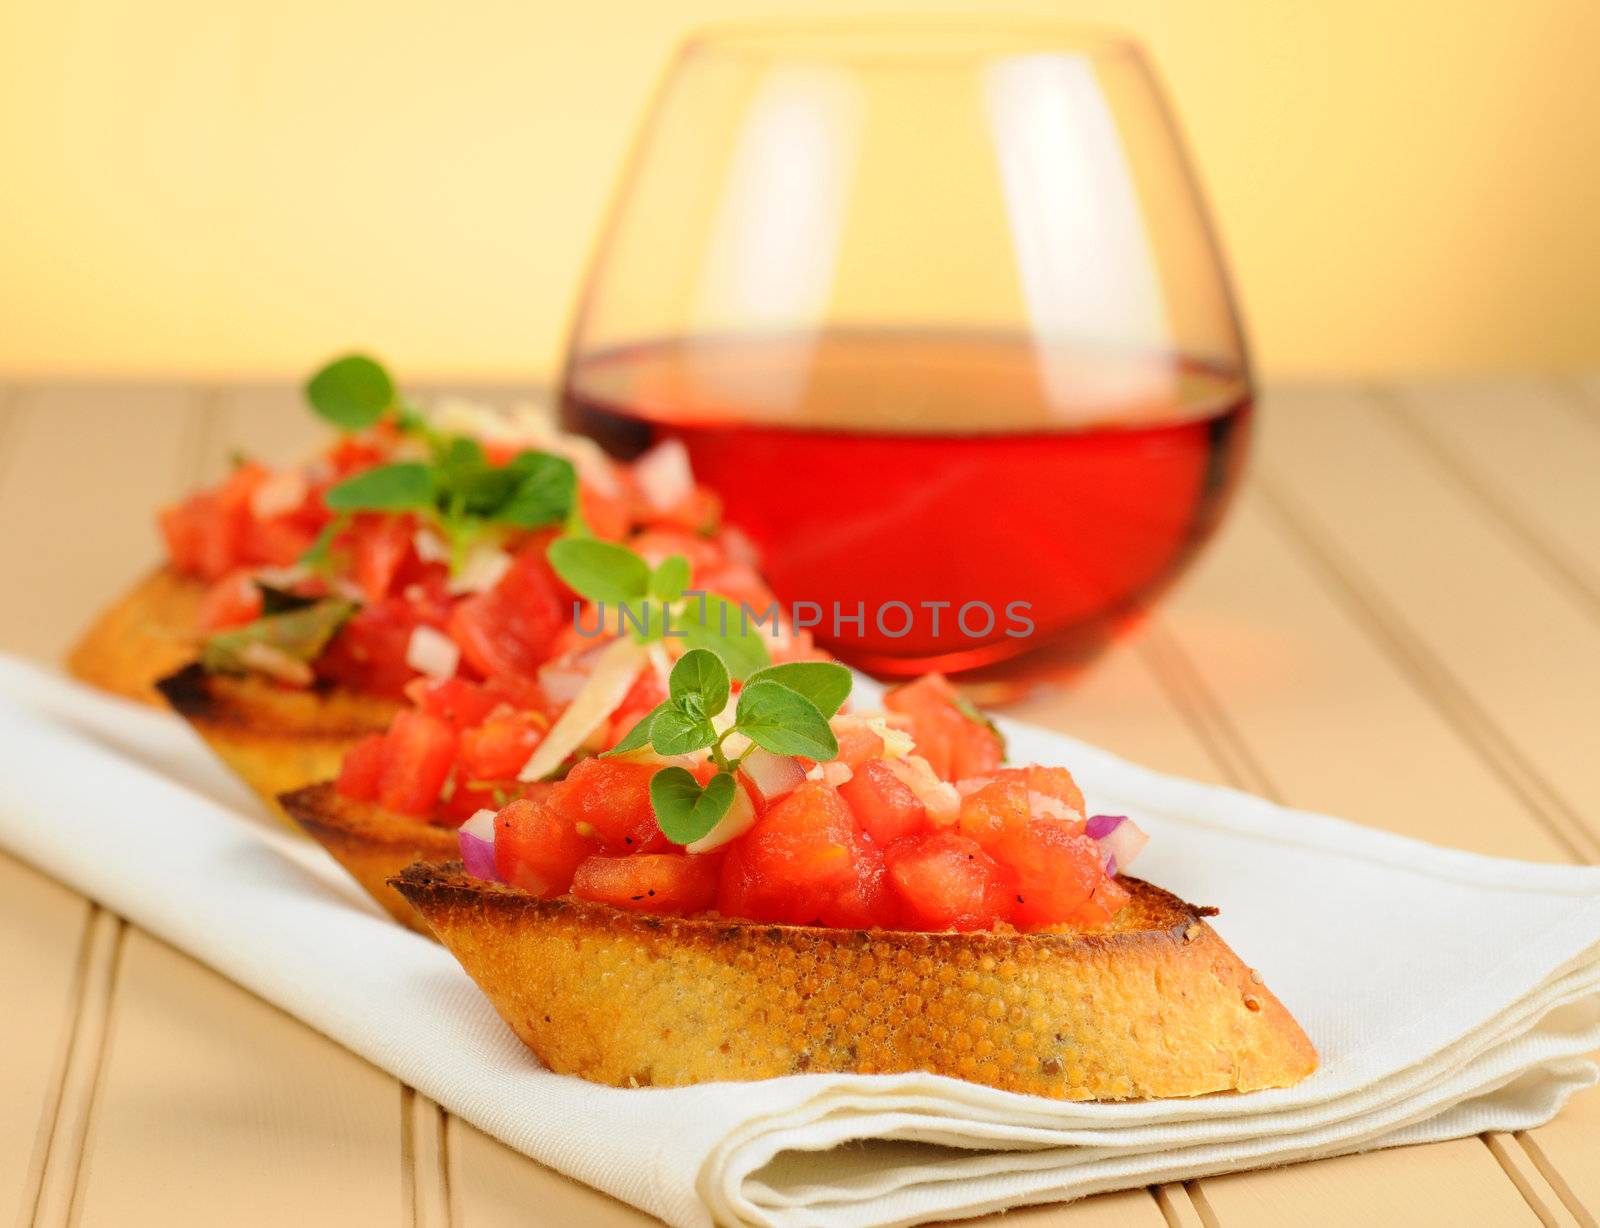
910, 37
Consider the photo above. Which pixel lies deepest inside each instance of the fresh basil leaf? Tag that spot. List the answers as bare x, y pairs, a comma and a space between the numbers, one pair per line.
676, 732
670, 579
639, 736
700, 674
600, 571
545, 492
684, 810
351, 392
824, 683
388, 488
301, 634
478, 489
460, 452
784, 722
712, 622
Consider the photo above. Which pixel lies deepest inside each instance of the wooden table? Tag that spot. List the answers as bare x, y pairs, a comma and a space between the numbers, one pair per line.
1399, 624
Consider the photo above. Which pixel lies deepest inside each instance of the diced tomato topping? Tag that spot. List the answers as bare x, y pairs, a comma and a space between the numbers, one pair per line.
611, 799
698, 511
465, 796
1052, 869
230, 602
1053, 782
417, 754
998, 807
883, 805
858, 744
510, 628
362, 768
353, 453
951, 741
669, 883
457, 702
657, 544
642, 698
946, 881
798, 864
498, 748
379, 546
606, 515
369, 653
537, 847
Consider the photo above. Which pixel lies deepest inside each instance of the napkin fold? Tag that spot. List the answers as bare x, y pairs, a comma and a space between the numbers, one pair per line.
1447, 993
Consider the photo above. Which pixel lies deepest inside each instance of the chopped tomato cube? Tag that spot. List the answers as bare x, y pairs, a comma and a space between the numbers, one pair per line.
1053, 871
798, 863
956, 745
656, 544
457, 702
498, 748
883, 805
649, 882
1053, 782
510, 628
379, 545
606, 515
998, 807
230, 602
536, 846
352, 453
417, 755
642, 698
363, 765
369, 653
610, 799
945, 881
857, 744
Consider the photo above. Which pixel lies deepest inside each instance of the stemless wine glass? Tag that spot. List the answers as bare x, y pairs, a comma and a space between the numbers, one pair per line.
937, 309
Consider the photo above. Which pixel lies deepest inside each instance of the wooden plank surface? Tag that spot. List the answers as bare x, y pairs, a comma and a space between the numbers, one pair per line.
1430, 681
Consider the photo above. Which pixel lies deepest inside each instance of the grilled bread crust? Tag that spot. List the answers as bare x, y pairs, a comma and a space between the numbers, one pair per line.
373, 844
148, 633
1156, 1005
276, 738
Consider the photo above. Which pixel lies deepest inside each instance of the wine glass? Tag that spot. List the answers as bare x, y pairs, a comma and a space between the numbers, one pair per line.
936, 307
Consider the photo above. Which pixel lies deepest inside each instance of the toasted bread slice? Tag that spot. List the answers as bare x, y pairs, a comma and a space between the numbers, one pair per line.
146, 635
372, 843
1156, 1005
276, 738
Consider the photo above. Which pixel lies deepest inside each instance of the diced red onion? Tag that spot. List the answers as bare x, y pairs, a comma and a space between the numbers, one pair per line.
1119, 839
476, 838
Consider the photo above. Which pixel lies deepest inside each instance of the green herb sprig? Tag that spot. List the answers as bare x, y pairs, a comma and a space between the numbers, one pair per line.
457, 489
658, 601
783, 709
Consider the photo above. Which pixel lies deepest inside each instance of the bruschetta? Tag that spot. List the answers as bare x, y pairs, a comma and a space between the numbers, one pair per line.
300, 609
867, 892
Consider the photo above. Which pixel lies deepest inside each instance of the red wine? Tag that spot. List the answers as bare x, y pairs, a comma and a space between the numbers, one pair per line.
970, 496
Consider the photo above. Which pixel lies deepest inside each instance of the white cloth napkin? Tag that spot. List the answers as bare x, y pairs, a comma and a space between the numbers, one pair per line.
1448, 993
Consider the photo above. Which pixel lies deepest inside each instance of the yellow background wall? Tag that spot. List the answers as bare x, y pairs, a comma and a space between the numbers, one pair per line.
209, 186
